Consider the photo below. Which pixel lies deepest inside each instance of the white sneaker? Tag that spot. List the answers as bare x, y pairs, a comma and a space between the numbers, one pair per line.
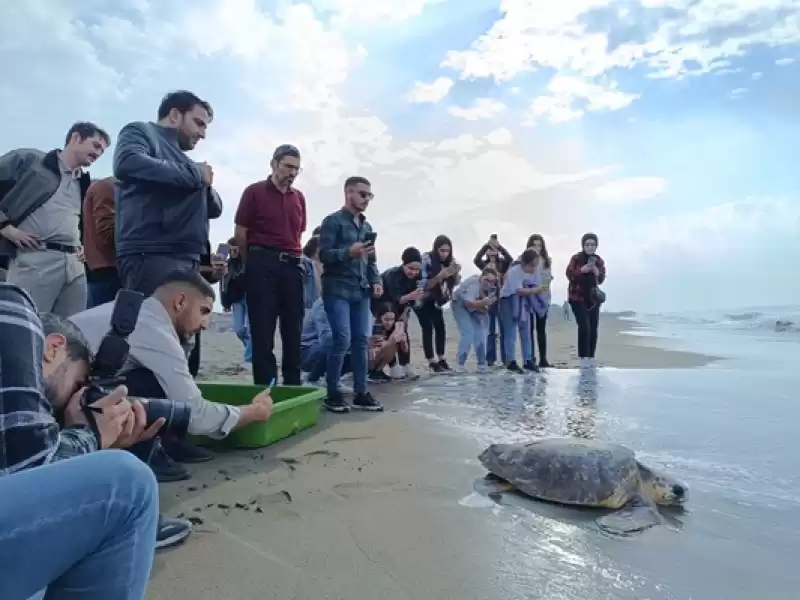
583, 363
592, 363
460, 369
408, 370
484, 369
397, 372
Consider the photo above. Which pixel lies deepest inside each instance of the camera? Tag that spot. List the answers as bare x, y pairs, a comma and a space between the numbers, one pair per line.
109, 360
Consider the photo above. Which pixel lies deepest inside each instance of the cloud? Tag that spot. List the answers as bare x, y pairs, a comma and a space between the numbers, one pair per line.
570, 97
632, 189
430, 92
782, 62
587, 39
482, 108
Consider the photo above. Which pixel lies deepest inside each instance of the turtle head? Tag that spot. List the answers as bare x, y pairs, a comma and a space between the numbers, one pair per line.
661, 488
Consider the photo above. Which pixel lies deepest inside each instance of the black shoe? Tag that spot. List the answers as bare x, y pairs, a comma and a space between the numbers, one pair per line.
184, 452
444, 366
335, 403
435, 367
171, 532
543, 364
365, 401
165, 468
530, 366
514, 367
378, 377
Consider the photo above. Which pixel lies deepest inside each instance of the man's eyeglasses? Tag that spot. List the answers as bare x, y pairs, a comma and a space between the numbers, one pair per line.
366, 195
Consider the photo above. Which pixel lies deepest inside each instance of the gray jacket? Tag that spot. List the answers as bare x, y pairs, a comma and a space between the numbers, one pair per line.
163, 205
28, 179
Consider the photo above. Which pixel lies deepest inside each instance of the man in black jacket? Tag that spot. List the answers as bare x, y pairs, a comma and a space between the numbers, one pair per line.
164, 199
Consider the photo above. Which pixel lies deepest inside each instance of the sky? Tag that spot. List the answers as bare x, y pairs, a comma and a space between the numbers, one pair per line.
669, 128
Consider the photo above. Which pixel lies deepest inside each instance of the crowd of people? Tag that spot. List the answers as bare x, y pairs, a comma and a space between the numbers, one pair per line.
68, 245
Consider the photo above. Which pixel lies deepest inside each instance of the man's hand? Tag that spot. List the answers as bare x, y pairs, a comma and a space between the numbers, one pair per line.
377, 290
208, 173
219, 267
261, 406
110, 414
361, 250
19, 238
136, 429
80, 254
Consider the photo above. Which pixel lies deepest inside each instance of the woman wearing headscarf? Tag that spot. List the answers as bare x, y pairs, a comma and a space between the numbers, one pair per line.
440, 276
586, 271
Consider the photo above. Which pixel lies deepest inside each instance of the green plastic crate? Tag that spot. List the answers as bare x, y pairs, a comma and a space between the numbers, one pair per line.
296, 408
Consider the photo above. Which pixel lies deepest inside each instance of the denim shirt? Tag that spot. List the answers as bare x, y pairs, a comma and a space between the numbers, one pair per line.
310, 291
343, 276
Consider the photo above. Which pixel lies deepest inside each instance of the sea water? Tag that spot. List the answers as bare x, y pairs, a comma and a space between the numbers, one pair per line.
730, 431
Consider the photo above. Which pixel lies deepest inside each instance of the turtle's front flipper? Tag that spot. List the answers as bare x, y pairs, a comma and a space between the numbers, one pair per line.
492, 485
637, 515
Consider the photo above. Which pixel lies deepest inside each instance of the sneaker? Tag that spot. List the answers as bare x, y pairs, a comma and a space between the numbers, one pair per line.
184, 452
171, 532
165, 468
435, 367
530, 366
583, 363
460, 369
443, 365
592, 362
365, 401
514, 367
397, 372
378, 377
484, 368
543, 364
335, 403
408, 370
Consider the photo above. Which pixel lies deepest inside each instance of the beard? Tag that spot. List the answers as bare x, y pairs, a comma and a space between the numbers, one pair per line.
54, 386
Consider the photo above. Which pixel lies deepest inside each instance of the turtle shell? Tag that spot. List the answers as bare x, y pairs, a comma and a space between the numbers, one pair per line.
567, 470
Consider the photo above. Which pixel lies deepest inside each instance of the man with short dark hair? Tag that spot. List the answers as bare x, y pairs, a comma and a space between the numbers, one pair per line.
164, 199
349, 278
157, 367
41, 197
270, 221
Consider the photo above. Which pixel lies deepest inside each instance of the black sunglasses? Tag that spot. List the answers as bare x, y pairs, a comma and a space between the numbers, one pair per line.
366, 195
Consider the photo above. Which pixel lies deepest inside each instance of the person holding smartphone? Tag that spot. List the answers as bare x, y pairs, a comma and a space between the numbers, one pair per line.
586, 271
472, 301
539, 321
350, 277
494, 255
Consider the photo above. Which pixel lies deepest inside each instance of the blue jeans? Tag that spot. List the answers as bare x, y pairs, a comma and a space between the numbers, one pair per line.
351, 324
84, 528
101, 292
512, 327
472, 332
314, 359
491, 338
241, 327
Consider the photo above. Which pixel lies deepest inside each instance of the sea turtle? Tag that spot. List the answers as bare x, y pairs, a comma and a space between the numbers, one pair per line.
584, 472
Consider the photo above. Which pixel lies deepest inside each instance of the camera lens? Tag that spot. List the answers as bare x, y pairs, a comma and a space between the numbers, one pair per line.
176, 415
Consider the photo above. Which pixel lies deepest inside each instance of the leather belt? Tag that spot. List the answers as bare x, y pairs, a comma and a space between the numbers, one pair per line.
56, 247
282, 255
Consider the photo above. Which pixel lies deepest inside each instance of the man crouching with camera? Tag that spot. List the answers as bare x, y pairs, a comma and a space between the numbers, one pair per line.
156, 367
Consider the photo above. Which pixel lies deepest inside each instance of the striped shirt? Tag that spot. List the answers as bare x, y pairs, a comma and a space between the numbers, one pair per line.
29, 433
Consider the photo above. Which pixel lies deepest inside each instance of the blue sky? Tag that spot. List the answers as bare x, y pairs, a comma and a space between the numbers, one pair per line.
668, 127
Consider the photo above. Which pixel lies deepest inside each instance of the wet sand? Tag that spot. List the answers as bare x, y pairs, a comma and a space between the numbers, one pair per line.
362, 506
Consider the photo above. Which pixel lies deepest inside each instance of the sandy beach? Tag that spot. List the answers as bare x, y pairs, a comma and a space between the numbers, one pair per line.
361, 506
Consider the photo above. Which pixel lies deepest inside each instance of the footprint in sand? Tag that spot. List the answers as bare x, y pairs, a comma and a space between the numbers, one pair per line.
323, 457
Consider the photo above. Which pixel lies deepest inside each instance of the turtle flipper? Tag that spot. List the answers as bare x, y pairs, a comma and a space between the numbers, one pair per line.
492, 485
631, 518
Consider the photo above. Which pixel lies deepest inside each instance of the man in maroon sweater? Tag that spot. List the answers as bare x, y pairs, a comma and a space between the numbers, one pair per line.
270, 220
98, 242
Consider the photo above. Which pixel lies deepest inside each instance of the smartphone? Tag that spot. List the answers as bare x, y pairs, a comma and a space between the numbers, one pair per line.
591, 260
493, 236
370, 238
377, 329
223, 251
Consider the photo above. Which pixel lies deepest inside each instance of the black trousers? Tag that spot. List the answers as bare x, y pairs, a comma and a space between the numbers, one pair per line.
539, 336
431, 321
274, 288
587, 318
